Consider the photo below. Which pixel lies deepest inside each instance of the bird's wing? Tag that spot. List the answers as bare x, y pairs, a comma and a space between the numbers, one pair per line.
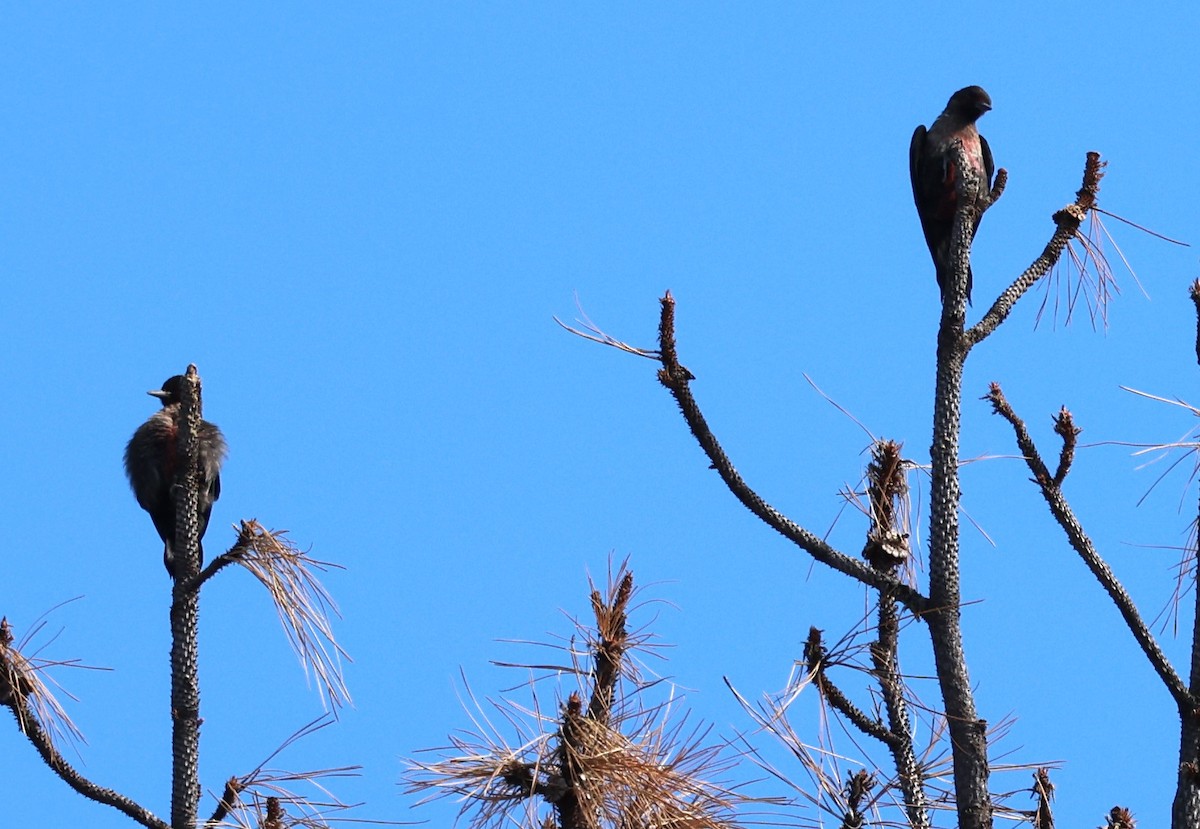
919, 173
147, 487
989, 165
915, 151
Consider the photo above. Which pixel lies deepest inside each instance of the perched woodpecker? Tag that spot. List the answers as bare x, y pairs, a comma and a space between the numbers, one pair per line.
934, 174
150, 459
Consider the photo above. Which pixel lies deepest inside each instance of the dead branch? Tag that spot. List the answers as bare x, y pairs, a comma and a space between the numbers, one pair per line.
185, 611
858, 789
676, 379
1194, 293
1079, 540
968, 739
887, 492
1043, 790
1067, 222
814, 662
23, 693
615, 763
1065, 428
1119, 818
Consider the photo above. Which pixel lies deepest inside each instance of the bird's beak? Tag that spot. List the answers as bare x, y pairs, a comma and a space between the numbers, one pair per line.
159, 393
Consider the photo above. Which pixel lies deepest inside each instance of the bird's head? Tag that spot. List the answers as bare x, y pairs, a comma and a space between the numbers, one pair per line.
969, 103
171, 391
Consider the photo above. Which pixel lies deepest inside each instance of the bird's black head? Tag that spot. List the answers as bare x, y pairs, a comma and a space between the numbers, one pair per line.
969, 103
171, 391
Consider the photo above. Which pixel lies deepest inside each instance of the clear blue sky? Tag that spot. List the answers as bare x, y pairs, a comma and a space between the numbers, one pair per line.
358, 220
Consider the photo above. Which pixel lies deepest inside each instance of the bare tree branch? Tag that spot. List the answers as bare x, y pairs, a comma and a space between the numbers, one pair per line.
1067, 223
185, 613
1194, 293
1083, 545
676, 379
1185, 809
18, 684
968, 733
814, 661
887, 489
614, 764
1064, 427
858, 790
1043, 790
611, 618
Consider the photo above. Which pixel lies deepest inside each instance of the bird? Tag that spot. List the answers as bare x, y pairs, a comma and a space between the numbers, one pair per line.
150, 458
934, 175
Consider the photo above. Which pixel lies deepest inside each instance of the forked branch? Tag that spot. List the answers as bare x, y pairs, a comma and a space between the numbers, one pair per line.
815, 663
1050, 487
1067, 222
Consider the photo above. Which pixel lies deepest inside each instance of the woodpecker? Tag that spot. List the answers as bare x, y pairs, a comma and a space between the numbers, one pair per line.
150, 459
934, 174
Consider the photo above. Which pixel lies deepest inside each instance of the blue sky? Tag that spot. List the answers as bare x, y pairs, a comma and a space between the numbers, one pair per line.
358, 222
